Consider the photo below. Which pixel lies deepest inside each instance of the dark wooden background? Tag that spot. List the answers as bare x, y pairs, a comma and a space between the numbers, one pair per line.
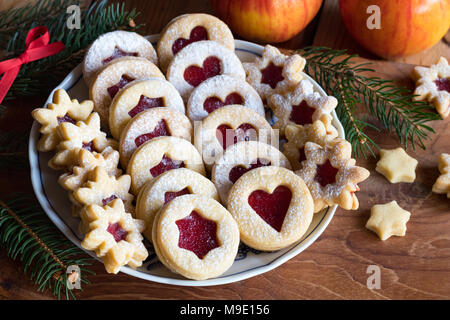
416, 266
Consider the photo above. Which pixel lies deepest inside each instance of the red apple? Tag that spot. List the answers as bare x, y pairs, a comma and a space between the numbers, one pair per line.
406, 26
267, 20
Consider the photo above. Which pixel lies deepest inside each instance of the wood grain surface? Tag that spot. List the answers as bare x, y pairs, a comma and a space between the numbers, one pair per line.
416, 266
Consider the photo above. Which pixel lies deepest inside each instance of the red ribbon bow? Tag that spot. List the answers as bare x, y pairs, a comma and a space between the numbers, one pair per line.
37, 47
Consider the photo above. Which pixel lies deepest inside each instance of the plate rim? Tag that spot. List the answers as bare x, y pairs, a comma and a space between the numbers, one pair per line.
37, 184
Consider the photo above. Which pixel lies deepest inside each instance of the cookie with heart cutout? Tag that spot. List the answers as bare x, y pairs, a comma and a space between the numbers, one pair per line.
113, 77
112, 45
166, 187
200, 61
159, 155
195, 236
227, 126
138, 96
272, 207
150, 124
189, 28
220, 91
241, 158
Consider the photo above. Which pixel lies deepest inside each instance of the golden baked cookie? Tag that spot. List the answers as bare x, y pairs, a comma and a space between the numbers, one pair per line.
397, 166
442, 184
388, 220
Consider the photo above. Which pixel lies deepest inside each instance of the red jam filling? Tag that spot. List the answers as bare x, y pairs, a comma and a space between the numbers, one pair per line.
124, 80
109, 199
66, 118
271, 207
238, 171
169, 196
326, 173
301, 154
227, 136
197, 234
159, 131
119, 53
89, 146
443, 84
271, 75
214, 103
144, 104
195, 75
302, 114
197, 34
166, 164
116, 230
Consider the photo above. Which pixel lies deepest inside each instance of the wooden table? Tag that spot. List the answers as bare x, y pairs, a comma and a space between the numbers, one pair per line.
416, 266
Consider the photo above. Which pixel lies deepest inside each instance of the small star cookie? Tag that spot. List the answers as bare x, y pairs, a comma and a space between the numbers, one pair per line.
397, 166
442, 184
331, 174
274, 72
433, 85
84, 135
62, 109
388, 220
114, 235
301, 106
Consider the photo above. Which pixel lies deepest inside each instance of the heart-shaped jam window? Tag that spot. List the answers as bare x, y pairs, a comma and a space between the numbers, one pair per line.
159, 131
443, 84
124, 80
108, 200
194, 75
117, 231
166, 164
146, 103
271, 207
227, 136
197, 234
237, 171
326, 173
214, 103
302, 114
118, 53
197, 34
66, 118
169, 196
271, 75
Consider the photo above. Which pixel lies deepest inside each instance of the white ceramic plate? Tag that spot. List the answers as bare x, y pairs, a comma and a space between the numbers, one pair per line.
55, 202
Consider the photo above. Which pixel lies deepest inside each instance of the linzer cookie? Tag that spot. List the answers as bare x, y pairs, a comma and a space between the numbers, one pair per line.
113, 45
150, 124
140, 95
241, 158
199, 61
195, 236
274, 72
190, 28
272, 207
166, 187
113, 77
220, 91
159, 155
227, 126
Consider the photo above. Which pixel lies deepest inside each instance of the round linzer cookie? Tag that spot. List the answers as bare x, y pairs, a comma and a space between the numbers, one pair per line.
150, 124
166, 187
272, 207
196, 237
229, 125
114, 77
160, 155
199, 61
140, 95
113, 45
220, 91
241, 158
189, 28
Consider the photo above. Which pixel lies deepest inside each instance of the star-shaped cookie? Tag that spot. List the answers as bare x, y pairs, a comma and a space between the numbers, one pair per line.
442, 184
62, 109
397, 166
388, 220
